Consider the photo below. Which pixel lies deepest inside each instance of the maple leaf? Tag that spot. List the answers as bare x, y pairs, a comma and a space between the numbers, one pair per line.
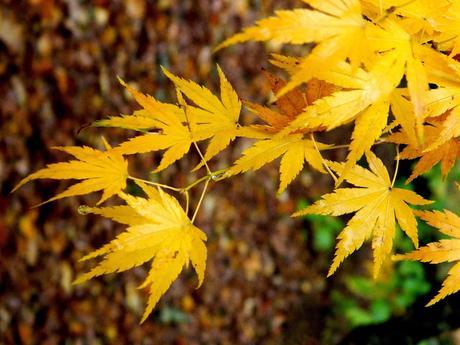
290, 105
180, 127
446, 250
390, 34
338, 28
446, 153
441, 69
106, 171
174, 135
447, 23
214, 118
377, 205
154, 115
158, 230
450, 129
294, 149
368, 104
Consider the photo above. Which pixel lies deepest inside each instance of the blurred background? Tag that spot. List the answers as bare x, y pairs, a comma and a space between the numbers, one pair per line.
265, 281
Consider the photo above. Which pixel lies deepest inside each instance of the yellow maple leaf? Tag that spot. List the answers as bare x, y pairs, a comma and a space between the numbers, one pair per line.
294, 149
215, 119
106, 171
448, 24
446, 250
158, 230
377, 205
338, 28
178, 127
368, 104
173, 133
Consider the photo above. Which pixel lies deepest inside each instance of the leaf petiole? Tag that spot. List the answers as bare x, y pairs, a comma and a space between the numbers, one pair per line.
155, 184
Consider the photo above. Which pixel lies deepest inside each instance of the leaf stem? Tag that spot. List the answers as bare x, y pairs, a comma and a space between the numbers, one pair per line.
155, 184
397, 166
187, 202
200, 201
184, 106
345, 146
323, 161
211, 176
202, 158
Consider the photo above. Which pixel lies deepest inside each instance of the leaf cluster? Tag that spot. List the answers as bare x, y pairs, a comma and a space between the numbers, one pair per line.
386, 67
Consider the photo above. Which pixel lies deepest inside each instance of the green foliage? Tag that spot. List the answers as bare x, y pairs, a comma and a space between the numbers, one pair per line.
369, 302
324, 229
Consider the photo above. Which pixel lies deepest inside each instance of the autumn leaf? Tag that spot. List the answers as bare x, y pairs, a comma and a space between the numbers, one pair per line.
158, 231
289, 105
173, 134
378, 205
448, 24
215, 119
106, 171
178, 127
294, 149
446, 153
368, 105
338, 29
446, 250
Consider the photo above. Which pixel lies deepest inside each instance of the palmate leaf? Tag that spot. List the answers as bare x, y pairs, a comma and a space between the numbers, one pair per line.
448, 23
377, 205
179, 127
174, 134
446, 153
289, 106
337, 27
158, 230
215, 118
295, 151
368, 104
106, 171
446, 250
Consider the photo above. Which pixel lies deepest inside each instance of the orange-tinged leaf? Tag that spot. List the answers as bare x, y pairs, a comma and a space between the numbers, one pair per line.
317, 89
446, 153
446, 221
451, 129
292, 103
